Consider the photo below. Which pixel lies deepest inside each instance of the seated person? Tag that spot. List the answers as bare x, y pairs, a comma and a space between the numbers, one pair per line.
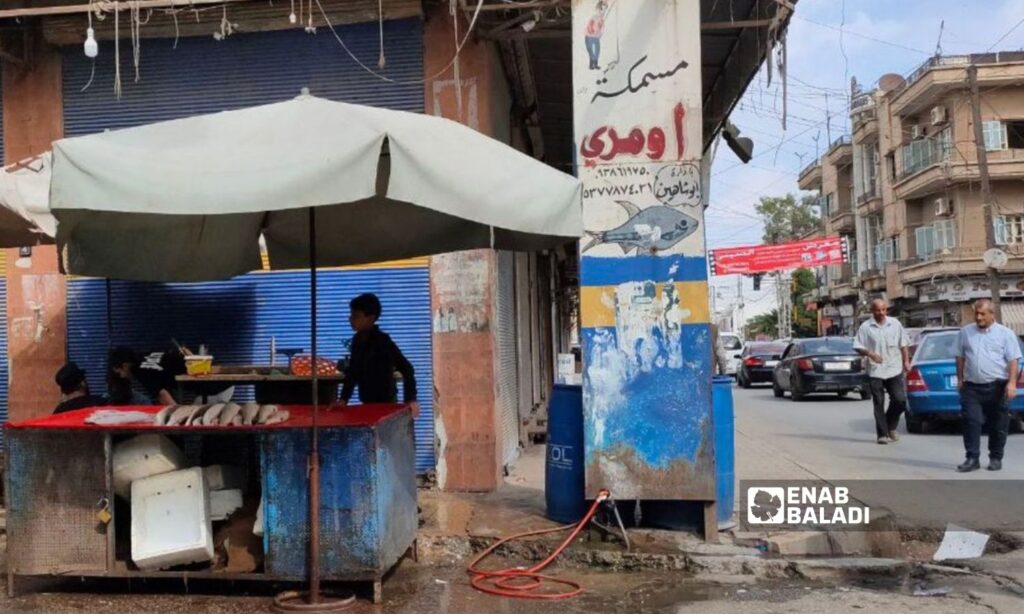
375, 358
75, 390
122, 362
157, 372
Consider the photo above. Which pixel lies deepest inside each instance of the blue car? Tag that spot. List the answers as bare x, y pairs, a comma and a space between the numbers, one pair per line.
932, 392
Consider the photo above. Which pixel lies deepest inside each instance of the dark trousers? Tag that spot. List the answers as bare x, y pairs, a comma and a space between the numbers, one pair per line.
984, 405
886, 421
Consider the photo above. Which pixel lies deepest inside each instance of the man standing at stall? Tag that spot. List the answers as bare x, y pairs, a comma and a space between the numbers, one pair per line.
882, 340
74, 390
375, 359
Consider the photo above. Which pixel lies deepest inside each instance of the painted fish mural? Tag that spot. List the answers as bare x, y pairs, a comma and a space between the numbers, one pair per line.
656, 228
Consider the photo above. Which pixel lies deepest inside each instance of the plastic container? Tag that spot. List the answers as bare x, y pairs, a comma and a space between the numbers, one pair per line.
171, 520
223, 503
725, 446
142, 457
564, 480
199, 365
224, 477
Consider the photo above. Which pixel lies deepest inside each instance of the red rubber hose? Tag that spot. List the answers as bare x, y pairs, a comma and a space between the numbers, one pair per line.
524, 583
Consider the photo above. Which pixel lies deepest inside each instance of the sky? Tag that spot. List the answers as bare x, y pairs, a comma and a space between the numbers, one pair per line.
829, 42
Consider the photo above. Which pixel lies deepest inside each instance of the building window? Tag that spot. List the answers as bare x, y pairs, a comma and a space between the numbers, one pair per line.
995, 135
828, 206
923, 153
1015, 134
890, 163
932, 239
1009, 229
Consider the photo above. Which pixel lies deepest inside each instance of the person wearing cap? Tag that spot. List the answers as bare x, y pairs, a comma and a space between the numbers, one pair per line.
74, 390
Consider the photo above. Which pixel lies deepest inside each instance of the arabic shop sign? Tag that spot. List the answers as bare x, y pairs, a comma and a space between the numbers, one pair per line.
968, 290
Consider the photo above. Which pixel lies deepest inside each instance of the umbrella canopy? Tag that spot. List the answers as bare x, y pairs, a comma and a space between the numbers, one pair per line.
188, 200
25, 218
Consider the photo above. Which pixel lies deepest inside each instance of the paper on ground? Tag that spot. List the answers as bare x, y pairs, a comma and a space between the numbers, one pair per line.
960, 543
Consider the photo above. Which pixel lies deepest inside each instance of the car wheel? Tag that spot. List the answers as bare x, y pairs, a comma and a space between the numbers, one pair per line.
842, 394
865, 394
915, 425
795, 391
743, 382
777, 390
1016, 425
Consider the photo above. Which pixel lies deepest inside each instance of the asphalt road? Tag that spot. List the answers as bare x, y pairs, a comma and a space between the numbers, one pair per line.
832, 439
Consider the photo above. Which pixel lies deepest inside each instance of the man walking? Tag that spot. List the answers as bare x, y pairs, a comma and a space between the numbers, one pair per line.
987, 359
882, 340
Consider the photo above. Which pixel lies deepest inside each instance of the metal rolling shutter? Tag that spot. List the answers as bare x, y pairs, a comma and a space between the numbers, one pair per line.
236, 318
505, 341
5, 375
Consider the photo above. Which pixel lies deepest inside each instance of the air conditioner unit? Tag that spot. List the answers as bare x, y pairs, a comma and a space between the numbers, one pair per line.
943, 208
938, 116
916, 132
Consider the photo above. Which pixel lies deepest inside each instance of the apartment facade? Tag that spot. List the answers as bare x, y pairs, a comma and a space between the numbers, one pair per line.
911, 178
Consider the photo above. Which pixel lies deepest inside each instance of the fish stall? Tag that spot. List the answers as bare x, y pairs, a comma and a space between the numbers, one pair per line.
210, 492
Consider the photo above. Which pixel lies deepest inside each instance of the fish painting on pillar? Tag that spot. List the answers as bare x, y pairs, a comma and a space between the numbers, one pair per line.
643, 270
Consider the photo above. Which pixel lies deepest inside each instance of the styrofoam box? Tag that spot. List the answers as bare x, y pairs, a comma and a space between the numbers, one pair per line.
257, 527
223, 503
171, 520
142, 457
224, 477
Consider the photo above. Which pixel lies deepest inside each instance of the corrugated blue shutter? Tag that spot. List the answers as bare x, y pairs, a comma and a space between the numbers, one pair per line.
4, 363
236, 318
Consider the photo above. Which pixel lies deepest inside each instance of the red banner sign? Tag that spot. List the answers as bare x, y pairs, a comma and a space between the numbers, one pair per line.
767, 258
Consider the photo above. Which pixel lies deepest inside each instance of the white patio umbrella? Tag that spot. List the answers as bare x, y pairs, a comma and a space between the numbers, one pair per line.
187, 200
25, 218
325, 183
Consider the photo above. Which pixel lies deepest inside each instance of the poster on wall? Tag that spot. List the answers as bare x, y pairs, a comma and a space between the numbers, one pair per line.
643, 273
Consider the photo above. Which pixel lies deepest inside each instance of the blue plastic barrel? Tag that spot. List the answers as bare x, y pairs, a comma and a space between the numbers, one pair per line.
725, 446
563, 471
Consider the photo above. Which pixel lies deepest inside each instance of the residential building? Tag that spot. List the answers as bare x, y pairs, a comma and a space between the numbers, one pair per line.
918, 230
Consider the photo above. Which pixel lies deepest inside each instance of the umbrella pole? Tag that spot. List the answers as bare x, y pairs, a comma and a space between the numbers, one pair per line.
314, 455
110, 315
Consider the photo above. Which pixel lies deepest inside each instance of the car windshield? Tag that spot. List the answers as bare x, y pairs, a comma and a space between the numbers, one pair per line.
939, 346
830, 345
730, 342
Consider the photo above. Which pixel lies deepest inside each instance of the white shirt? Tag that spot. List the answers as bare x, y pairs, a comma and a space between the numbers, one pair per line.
885, 339
987, 353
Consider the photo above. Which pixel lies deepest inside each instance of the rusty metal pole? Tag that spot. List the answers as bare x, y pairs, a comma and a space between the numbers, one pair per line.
314, 454
986, 187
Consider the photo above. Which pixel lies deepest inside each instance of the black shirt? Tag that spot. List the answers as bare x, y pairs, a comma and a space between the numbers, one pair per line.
375, 358
89, 400
158, 370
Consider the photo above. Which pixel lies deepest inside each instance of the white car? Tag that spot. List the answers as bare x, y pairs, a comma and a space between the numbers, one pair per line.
732, 347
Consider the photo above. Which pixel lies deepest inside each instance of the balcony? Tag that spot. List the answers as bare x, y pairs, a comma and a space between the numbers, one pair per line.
842, 222
810, 177
962, 260
1006, 164
938, 76
840, 152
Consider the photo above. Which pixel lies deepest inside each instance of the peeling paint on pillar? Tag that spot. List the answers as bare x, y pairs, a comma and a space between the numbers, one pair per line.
643, 273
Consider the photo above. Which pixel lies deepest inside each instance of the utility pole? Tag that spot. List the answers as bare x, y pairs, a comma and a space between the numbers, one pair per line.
739, 325
986, 186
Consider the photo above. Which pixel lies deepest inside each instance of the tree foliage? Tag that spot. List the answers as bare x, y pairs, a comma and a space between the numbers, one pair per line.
805, 322
764, 324
787, 219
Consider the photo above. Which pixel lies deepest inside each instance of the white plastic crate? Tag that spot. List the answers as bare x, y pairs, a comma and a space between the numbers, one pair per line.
171, 520
224, 477
223, 503
142, 457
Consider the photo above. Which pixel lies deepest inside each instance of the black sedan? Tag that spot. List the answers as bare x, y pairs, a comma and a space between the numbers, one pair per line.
757, 362
823, 364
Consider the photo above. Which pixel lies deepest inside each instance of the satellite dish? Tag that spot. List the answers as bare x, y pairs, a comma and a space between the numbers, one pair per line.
891, 81
995, 258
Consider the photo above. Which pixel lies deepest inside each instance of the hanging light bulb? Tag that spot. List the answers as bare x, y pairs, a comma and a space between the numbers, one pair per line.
292, 18
92, 49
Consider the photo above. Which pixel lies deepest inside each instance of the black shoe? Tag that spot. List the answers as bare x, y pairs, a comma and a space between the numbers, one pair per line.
971, 464
995, 464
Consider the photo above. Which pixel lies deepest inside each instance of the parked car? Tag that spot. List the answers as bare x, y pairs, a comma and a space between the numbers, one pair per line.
915, 334
757, 362
820, 364
732, 347
932, 391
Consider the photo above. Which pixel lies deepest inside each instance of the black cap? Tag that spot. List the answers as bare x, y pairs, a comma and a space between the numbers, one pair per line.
70, 377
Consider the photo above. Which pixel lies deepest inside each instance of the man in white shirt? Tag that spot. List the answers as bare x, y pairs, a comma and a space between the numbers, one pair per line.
882, 340
987, 360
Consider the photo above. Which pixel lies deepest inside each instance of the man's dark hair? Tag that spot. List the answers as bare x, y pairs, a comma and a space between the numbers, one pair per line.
368, 304
70, 378
121, 355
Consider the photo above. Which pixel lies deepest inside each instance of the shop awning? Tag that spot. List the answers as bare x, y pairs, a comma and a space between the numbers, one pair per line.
1013, 315
188, 200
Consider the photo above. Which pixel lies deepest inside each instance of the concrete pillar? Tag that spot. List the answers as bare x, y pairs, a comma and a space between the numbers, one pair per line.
462, 296
644, 292
36, 291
